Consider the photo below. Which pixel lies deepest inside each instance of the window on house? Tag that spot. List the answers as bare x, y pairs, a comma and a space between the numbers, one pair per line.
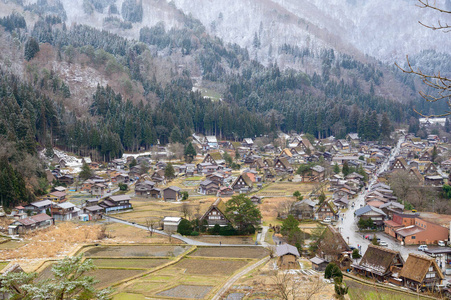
413, 237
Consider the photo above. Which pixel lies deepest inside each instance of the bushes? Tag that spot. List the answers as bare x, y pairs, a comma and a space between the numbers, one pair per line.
356, 254
185, 227
333, 272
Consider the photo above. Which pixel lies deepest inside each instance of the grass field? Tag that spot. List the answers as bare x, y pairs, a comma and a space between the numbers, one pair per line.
135, 251
193, 277
11, 245
285, 188
121, 233
3, 264
230, 240
209, 267
140, 263
231, 252
358, 291
107, 277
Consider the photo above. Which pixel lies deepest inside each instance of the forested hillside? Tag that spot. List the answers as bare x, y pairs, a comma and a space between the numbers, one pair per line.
97, 93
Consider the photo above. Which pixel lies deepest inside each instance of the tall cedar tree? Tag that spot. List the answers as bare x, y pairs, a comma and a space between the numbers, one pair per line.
190, 152
86, 172
169, 172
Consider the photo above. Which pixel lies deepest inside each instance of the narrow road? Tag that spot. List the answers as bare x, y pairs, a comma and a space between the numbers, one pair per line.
182, 238
348, 227
262, 235
232, 280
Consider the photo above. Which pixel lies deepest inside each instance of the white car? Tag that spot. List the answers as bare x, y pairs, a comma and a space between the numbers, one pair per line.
383, 244
327, 220
423, 248
441, 243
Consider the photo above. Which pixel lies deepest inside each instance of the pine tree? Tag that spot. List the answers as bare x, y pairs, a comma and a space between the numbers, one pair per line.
385, 126
169, 172
336, 168
190, 152
345, 169
31, 48
86, 172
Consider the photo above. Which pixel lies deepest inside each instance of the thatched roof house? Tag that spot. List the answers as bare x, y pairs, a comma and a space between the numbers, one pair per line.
421, 271
378, 262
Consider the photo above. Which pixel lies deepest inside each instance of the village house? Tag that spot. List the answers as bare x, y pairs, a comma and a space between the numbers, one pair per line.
215, 214
87, 185
288, 257
242, 183
56, 196
147, 189
93, 210
121, 178
422, 232
282, 165
171, 224
225, 191
208, 187
304, 210
380, 263
31, 223
256, 199
399, 164
172, 193
216, 177
421, 273
116, 203
376, 215
319, 264
66, 179
64, 211
98, 189
327, 210
38, 207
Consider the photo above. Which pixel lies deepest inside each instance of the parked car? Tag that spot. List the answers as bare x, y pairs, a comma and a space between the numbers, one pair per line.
441, 243
423, 248
383, 244
327, 220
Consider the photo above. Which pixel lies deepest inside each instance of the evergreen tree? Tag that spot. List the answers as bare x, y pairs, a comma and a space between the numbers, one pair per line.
243, 213
31, 48
336, 168
345, 169
85, 172
169, 172
190, 152
385, 127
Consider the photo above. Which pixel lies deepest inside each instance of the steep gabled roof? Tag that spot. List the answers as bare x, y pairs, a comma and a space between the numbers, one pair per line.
246, 179
417, 266
379, 259
220, 206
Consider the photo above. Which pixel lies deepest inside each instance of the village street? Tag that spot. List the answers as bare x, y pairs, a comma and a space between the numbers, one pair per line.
348, 227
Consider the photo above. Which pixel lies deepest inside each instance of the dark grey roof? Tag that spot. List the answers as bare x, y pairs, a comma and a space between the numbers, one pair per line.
368, 208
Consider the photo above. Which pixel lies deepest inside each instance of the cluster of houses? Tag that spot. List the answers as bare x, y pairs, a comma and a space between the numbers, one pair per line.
44, 213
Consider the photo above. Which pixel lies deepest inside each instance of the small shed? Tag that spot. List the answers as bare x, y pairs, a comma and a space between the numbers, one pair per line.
319, 264
288, 257
171, 224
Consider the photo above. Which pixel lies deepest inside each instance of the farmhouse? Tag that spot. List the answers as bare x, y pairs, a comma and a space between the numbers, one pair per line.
379, 263
215, 214
421, 272
64, 211
319, 264
30, 223
208, 187
172, 193
327, 210
115, 203
367, 212
242, 183
288, 257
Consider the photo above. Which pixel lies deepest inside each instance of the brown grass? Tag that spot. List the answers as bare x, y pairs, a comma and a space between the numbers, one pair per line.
123, 234
210, 267
231, 252
54, 241
135, 251
231, 240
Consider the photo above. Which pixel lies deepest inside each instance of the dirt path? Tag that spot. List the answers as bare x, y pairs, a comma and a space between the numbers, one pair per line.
232, 280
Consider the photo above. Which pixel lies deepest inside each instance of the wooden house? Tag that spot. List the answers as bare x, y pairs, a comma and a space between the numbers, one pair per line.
215, 214
399, 164
367, 212
171, 224
304, 210
378, 263
116, 203
305, 144
421, 273
66, 179
242, 183
31, 223
288, 257
98, 189
208, 187
172, 193
319, 264
327, 210
225, 191
64, 211
209, 159
282, 165
147, 189
256, 199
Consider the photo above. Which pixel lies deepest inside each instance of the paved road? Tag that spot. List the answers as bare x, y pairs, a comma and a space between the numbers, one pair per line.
184, 239
348, 227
